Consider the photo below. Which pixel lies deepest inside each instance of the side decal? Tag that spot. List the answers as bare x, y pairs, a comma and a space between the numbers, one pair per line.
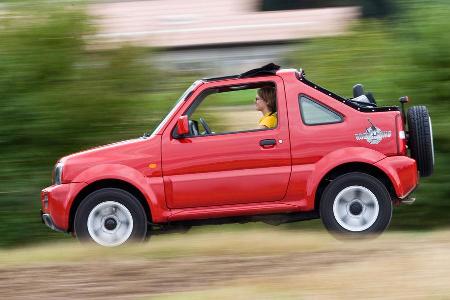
373, 135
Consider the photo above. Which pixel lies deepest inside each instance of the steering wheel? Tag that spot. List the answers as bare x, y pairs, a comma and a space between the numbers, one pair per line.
205, 125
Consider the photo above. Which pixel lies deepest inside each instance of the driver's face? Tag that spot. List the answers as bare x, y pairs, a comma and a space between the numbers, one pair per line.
259, 103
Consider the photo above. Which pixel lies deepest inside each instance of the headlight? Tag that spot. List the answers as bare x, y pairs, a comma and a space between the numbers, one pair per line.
58, 173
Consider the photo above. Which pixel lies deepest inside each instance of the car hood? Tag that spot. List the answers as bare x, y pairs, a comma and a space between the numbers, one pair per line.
133, 153
96, 152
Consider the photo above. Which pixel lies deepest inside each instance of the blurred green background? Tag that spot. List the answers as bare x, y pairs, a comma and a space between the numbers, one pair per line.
59, 95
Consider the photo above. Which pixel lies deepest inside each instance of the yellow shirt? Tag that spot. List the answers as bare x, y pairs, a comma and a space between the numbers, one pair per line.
269, 120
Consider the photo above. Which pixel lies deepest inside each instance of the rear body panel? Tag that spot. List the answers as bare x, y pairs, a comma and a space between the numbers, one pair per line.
317, 149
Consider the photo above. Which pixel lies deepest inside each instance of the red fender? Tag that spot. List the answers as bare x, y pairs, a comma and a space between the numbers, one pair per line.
402, 171
151, 187
314, 173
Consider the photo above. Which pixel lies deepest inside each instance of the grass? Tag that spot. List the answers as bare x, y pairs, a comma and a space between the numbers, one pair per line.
198, 243
205, 242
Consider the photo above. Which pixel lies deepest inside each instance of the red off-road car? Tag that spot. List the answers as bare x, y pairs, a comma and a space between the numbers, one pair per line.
346, 161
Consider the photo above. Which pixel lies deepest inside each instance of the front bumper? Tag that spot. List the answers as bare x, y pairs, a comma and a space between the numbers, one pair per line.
56, 202
47, 220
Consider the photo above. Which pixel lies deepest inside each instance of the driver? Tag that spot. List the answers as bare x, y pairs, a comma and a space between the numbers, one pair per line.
265, 102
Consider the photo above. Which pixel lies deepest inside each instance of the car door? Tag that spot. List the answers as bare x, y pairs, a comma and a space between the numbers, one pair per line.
227, 168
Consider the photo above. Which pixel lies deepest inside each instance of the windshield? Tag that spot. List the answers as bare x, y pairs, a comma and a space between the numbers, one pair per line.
183, 97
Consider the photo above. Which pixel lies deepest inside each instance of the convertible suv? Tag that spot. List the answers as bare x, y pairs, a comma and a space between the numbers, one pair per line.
346, 161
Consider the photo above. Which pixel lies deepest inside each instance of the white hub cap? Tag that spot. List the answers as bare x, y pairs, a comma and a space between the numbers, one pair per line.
356, 208
110, 223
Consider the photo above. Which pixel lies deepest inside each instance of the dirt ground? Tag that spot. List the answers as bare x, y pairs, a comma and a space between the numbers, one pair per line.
253, 264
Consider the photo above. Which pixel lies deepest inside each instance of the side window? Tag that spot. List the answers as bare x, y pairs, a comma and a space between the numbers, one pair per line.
231, 109
314, 113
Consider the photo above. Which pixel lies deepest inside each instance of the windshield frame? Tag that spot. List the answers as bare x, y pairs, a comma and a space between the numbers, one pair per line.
175, 108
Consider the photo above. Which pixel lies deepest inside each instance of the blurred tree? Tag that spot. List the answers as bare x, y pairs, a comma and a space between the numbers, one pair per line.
56, 92
423, 34
378, 8
369, 8
269, 5
57, 96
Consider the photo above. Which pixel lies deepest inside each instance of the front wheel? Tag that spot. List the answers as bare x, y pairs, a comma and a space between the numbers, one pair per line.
355, 204
110, 217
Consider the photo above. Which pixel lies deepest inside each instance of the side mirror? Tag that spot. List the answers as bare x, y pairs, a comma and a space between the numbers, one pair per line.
183, 126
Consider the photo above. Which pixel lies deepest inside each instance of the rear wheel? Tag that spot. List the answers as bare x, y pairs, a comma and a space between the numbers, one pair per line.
110, 217
420, 140
355, 204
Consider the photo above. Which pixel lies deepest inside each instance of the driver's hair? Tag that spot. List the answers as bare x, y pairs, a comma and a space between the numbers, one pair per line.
269, 96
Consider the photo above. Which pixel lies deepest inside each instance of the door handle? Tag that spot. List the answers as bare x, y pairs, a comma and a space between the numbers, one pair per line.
267, 142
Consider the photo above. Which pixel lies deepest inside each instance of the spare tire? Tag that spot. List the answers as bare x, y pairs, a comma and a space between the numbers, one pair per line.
420, 139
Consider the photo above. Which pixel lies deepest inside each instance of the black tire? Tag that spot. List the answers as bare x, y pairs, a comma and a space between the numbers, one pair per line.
123, 205
420, 140
346, 185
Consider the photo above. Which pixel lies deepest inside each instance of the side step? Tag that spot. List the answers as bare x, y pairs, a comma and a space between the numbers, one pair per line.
271, 219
